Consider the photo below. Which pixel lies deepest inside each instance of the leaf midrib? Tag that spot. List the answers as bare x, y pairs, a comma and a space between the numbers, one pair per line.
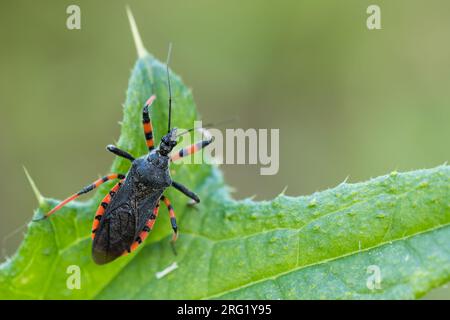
274, 277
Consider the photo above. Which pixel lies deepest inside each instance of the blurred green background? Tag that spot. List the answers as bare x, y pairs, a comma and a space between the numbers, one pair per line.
348, 101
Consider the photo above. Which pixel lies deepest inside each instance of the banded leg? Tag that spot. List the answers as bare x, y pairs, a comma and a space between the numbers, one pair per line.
145, 231
193, 148
102, 207
86, 189
147, 124
173, 219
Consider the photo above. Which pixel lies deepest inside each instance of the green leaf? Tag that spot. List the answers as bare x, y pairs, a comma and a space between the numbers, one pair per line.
321, 246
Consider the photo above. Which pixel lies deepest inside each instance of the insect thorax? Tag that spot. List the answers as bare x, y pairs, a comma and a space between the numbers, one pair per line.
152, 171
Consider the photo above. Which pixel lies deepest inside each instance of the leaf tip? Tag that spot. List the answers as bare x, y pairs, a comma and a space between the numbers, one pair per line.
252, 197
344, 182
141, 51
36, 191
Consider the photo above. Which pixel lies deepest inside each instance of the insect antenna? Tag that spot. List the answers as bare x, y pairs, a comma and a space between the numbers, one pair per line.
209, 125
168, 84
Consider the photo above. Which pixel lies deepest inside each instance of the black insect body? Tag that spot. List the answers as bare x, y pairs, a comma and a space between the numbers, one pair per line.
128, 212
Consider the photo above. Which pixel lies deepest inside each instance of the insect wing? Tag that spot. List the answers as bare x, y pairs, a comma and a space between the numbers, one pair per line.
117, 228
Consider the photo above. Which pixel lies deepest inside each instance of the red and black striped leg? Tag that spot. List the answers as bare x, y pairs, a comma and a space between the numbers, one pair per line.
173, 219
102, 207
145, 231
86, 189
147, 123
193, 148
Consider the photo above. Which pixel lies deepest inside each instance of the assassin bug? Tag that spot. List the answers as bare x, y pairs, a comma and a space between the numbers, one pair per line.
128, 212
